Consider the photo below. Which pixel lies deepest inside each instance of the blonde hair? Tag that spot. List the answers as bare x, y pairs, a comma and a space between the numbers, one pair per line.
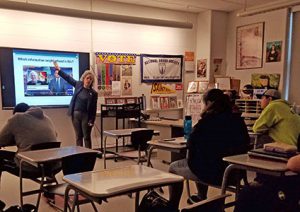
86, 73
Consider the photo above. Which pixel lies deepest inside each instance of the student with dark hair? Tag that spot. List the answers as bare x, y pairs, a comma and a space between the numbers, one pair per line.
28, 126
217, 134
83, 105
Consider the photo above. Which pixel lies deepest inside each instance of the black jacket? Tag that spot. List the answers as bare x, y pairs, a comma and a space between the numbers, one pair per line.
214, 137
92, 100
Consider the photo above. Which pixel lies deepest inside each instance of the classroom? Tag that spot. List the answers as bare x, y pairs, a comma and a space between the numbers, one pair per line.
151, 65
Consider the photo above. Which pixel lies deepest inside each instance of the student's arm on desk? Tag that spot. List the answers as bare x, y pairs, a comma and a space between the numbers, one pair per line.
294, 164
266, 120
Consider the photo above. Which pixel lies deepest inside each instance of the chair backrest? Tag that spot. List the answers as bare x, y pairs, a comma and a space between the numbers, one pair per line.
53, 167
81, 162
140, 138
46, 145
215, 204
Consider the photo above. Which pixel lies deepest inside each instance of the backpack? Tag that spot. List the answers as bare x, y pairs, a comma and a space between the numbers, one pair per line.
153, 202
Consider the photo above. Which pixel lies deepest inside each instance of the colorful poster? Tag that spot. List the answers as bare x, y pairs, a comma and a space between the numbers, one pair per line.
115, 58
265, 81
159, 88
189, 61
161, 68
126, 85
106, 74
273, 51
202, 68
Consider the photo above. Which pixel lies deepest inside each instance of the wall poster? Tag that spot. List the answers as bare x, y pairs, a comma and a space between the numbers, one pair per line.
273, 51
111, 67
202, 68
249, 46
161, 68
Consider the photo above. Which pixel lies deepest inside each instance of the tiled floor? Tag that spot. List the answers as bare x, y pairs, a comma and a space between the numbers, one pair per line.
9, 192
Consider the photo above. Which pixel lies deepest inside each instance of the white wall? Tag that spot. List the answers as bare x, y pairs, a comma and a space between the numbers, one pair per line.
51, 32
275, 30
218, 37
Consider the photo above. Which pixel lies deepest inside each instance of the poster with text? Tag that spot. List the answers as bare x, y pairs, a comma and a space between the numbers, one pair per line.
161, 68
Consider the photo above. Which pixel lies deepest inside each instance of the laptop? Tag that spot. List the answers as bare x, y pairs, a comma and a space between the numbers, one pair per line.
271, 155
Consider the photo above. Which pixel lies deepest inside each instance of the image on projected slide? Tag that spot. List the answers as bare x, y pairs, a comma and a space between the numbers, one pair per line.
45, 81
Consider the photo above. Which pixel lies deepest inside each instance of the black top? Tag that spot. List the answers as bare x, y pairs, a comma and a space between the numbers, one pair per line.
214, 137
91, 106
81, 100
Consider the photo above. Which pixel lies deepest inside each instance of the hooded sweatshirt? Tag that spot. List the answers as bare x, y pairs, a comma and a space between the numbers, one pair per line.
25, 129
282, 124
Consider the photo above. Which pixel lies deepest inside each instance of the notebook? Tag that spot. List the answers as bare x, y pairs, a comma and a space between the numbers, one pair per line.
270, 155
177, 141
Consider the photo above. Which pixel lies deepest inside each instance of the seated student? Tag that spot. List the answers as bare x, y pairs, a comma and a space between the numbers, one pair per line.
275, 194
217, 134
27, 126
277, 119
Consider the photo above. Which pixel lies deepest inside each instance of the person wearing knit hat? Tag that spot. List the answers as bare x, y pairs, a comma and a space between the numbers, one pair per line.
27, 126
83, 105
277, 119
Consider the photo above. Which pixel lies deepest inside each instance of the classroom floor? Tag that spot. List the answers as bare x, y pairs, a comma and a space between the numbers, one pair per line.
9, 192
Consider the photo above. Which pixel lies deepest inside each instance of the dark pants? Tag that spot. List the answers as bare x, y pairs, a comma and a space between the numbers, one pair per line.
82, 129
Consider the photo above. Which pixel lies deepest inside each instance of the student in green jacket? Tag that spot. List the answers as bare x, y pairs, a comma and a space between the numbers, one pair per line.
280, 122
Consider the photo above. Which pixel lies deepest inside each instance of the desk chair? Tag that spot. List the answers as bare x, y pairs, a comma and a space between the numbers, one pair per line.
46, 176
72, 164
139, 141
215, 204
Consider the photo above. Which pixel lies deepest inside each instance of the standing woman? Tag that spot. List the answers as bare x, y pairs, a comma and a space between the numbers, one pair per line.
83, 105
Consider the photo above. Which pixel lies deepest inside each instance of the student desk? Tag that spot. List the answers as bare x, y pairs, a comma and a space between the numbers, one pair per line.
99, 185
39, 157
259, 165
156, 144
117, 134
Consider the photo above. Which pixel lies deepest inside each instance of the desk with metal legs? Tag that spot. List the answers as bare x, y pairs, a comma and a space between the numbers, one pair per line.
158, 144
117, 134
100, 185
39, 157
258, 165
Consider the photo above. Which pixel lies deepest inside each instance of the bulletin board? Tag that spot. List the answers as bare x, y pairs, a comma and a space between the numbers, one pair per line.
119, 75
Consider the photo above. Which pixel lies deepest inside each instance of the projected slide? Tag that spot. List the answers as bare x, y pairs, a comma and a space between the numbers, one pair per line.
37, 82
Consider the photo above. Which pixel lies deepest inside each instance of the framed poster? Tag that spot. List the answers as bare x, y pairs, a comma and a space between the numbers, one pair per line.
273, 51
249, 46
161, 68
202, 69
